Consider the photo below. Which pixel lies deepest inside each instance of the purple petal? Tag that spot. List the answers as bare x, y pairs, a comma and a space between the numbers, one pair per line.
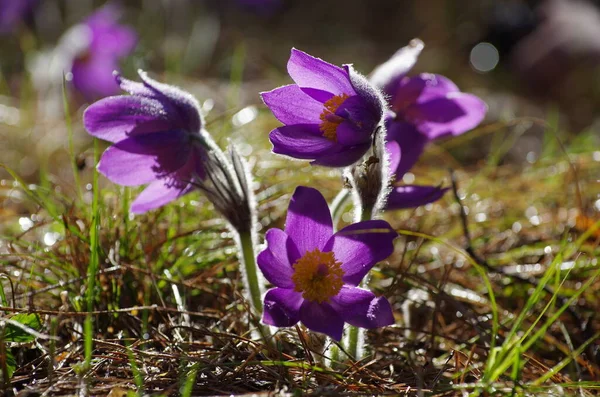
411, 92
362, 115
411, 196
406, 94
274, 261
134, 160
182, 108
127, 169
348, 134
451, 115
186, 107
291, 105
411, 143
434, 86
361, 308
393, 149
93, 77
108, 36
373, 104
282, 307
344, 157
116, 118
387, 75
317, 78
300, 141
133, 87
321, 317
308, 221
159, 193
360, 246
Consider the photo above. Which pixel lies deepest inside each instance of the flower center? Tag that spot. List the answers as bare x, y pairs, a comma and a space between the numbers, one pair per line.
329, 120
318, 276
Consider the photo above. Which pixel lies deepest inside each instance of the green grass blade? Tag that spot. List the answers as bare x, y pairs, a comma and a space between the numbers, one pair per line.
69, 126
94, 263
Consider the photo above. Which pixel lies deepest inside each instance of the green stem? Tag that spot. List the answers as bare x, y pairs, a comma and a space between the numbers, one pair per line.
72, 155
339, 204
356, 335
253, 284
94, 262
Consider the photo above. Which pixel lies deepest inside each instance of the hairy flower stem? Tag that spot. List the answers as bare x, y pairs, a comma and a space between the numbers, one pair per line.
371, 183
355, 339
252, 281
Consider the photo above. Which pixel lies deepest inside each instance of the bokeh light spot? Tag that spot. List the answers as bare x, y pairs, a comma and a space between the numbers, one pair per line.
484, 57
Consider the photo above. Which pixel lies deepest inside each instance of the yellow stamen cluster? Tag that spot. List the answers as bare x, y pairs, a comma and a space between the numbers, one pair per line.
329, 120
318, 276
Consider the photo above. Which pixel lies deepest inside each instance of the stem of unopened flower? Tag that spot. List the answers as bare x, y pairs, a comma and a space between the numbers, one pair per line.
252, 281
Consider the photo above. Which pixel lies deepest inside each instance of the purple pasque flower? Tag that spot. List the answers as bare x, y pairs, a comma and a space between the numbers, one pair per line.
13, 12
424, 108
100, 43
158, 139
330, 114
316, 272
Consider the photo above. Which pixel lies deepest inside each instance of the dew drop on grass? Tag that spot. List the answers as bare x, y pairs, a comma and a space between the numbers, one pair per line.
244, 116
50, 238
25, 223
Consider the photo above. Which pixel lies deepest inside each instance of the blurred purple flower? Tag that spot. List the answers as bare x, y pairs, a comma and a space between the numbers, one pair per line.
12, 12
316, 272
101, 43
158, 139
330, 114
424, 108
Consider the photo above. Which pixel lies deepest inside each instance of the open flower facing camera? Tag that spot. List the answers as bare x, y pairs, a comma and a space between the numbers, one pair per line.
316, 272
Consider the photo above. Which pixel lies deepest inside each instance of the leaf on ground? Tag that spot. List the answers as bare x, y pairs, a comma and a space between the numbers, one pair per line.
13, 333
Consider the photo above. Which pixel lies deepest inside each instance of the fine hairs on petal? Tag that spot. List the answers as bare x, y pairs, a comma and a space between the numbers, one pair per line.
373, 95
398, 65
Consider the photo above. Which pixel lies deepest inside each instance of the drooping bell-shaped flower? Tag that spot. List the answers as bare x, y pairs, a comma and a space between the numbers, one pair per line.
158, 139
